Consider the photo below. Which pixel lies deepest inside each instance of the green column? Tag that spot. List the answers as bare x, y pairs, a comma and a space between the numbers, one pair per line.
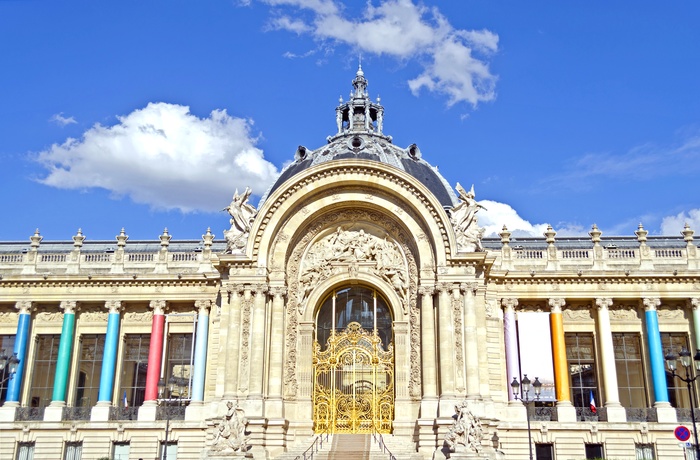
65, 347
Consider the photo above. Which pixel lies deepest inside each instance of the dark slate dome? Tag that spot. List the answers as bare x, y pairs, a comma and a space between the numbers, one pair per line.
360, 135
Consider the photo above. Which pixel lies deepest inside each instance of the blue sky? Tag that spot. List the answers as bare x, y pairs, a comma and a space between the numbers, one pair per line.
147, 115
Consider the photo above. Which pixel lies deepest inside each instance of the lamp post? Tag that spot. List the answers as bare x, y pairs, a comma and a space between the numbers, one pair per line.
524, 397
8, 366
175, 384
671, 360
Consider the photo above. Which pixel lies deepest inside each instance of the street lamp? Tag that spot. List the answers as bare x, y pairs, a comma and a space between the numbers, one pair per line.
684, 355
8, 366
524, 397
175, 385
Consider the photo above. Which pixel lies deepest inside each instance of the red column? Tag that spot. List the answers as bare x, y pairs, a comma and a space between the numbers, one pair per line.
155, 350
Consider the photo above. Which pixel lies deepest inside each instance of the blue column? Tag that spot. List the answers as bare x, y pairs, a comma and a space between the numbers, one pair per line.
65, 348
14, 385
200, 350
109, 358
656, 354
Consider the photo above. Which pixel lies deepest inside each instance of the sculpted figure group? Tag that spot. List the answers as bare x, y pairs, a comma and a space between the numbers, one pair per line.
466, 433
242, 216
350, 246
230, 435
465, 222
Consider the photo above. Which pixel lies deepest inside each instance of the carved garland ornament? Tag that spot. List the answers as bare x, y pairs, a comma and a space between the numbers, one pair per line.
390, 259
457, 304
246, 305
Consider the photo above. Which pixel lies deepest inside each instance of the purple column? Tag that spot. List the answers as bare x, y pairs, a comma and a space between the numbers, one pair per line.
511, 339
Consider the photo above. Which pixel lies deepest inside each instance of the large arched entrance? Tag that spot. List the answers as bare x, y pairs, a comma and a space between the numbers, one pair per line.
353, 361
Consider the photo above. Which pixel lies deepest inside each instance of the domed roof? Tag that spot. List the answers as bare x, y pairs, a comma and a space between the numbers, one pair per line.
360, 135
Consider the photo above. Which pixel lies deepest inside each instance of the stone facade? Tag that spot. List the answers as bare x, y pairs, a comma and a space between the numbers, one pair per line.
233, 321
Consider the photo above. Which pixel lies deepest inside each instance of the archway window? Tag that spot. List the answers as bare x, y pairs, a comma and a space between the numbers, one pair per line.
354, 305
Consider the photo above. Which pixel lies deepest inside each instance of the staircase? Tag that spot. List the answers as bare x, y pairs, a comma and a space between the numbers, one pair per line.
355, 447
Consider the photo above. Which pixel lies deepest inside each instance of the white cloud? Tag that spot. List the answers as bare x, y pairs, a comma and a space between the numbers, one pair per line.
60, 120
673, 225
163, 156
496, 215
405, 31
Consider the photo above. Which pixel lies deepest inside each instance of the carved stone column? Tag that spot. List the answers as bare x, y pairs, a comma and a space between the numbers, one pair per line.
565, 410
511, 343
233, 343
471, 341
257, 362
428, 356
616, 413
274, 406
656, 355
694, 304
446, 349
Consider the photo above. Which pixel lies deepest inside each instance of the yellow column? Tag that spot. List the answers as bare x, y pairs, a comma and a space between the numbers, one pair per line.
561, 367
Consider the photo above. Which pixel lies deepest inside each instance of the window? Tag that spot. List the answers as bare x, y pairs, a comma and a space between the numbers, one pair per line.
44, 370
170, 448
7, 344
644, 451
354, 304
179, 360
580, 354
25, 451
673, 342
134, 368
630, 372
74, 451
594, 451
90, 367
544, 451
120, 451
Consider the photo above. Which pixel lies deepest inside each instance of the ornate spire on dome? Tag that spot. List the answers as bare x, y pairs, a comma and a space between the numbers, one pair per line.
359, 115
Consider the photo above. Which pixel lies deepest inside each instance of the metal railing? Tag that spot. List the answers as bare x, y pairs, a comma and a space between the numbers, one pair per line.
314, 447
379, 439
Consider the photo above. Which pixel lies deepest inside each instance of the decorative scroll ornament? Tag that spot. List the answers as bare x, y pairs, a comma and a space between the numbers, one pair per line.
466, 433
242, 217
231, 431
352, 247
465, 223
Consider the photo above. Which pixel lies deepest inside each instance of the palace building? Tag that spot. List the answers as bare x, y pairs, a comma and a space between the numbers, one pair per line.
360, 296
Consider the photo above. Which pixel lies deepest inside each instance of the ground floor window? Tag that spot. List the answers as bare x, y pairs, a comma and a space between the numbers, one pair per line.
25, 451
168, 450
594, 451
544, 451
645, 452
120, 451
74, 451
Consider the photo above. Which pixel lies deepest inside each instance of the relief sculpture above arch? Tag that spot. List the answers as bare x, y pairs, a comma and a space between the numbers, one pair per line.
351, 241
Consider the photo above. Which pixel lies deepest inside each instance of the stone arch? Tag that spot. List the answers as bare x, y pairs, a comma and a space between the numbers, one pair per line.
373, 184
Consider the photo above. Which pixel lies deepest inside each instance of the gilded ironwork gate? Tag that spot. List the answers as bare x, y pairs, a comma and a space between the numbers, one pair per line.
353, 383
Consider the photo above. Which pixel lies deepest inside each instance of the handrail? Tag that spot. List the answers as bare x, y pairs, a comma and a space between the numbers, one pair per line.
314, 447
381, 443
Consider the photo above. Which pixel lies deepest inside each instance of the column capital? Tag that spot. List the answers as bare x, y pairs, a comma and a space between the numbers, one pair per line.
650, 303
444, 287
278, 291
426, 289
260, 289
158, 306
694, 303
236, 289
557, 304
603, 303
24, 307
113, 306
509, 303
69, 306
466, 287
203, 306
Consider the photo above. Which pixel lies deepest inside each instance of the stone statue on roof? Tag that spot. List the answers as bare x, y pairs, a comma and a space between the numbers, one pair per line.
465, 223
242, 217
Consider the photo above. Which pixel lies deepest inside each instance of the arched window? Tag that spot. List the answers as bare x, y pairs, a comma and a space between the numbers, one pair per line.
354, 304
